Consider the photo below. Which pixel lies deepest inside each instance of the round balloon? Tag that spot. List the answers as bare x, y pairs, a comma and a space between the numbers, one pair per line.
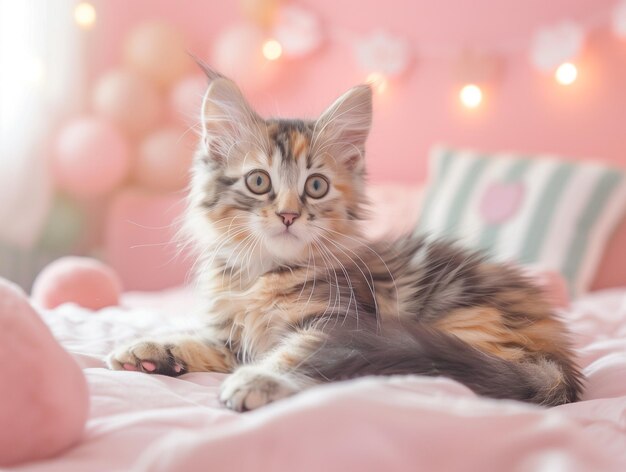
64, 227
158, 51
165, 158
186, 98
238, 53
91, 158
129, 100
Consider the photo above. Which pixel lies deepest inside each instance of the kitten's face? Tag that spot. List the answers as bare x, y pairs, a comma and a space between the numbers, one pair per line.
283, 189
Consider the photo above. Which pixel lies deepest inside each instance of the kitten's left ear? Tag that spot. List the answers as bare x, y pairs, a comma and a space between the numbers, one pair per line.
345, 125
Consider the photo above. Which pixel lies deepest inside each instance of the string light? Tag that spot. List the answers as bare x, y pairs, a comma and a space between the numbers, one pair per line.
471, 96
272, 50
566, 74
378, 81
85, 15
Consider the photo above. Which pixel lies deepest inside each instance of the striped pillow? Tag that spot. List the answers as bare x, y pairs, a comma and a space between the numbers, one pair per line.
542, 210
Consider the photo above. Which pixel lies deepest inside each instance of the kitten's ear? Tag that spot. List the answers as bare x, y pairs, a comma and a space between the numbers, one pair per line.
227, 118
346, 124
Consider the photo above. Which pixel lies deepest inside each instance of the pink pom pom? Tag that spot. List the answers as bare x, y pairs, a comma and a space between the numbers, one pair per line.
164, 159
45, 400
128, 100
91, 158
551, 283
81, 280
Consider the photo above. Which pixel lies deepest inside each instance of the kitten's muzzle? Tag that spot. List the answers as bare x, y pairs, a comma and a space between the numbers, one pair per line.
288, 217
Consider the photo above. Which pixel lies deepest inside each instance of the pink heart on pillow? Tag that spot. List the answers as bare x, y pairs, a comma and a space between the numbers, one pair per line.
44, 399
501, 201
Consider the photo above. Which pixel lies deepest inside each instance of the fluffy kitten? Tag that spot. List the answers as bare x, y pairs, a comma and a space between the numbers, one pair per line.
298, 297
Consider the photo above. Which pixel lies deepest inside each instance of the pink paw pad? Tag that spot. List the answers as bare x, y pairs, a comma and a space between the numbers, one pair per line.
149, 366
129, 367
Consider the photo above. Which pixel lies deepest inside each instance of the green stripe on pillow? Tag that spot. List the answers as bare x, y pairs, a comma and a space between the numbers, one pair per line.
544, 213
462, 196
605, 187
442, 164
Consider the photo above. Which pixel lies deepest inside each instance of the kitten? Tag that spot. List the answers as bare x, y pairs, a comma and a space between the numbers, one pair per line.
297, 296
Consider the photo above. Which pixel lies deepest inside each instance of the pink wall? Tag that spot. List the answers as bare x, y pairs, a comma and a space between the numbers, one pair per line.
524, 110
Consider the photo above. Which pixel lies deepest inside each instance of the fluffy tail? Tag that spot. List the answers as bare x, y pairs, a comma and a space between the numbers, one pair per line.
424, 351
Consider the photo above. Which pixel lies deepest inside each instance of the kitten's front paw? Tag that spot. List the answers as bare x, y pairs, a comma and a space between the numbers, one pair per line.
147, 356
251, 387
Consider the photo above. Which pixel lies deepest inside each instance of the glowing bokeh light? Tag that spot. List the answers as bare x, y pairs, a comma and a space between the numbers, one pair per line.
471, 96
272, 50
378, 82
566, 74
85, 15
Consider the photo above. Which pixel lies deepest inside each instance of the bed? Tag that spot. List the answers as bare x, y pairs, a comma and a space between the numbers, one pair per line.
144, 422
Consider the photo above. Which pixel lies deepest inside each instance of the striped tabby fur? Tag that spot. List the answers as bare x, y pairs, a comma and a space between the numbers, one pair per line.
290, 306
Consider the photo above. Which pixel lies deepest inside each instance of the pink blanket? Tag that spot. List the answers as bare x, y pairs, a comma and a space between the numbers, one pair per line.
146, 422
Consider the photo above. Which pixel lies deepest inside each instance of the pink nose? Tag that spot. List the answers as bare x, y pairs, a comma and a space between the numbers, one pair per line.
288, 217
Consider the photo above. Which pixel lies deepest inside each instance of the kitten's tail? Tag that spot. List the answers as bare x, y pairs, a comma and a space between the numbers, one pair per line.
420, 350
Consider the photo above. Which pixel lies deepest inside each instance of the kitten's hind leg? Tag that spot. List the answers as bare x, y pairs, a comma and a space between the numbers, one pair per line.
172, 355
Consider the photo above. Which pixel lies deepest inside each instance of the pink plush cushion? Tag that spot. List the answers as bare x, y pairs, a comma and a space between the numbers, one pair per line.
553, 285
44, 399
81, 280
612, 268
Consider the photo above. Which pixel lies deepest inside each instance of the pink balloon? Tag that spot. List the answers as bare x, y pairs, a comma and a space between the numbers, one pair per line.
164, 159
238, 53
128, 100
91, 158
45, 399
186, 98
81, 280
158, 51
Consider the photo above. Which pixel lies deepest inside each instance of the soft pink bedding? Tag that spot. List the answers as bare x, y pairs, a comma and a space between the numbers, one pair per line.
146, 422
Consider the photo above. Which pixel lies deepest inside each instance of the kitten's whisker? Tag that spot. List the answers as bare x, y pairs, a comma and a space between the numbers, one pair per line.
370, 282
328, 272
380, 258
348, 280
233, 253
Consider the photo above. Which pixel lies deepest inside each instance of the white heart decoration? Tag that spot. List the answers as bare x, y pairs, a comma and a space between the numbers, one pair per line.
298, 31
383, 53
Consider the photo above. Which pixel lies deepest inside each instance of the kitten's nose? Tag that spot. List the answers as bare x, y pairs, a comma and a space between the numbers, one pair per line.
288, 217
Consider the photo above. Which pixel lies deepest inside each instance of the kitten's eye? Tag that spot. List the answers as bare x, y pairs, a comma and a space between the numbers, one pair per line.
258, 182
316, 186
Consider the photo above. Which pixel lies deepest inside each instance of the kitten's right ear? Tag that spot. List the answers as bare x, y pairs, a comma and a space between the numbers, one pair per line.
227, 118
